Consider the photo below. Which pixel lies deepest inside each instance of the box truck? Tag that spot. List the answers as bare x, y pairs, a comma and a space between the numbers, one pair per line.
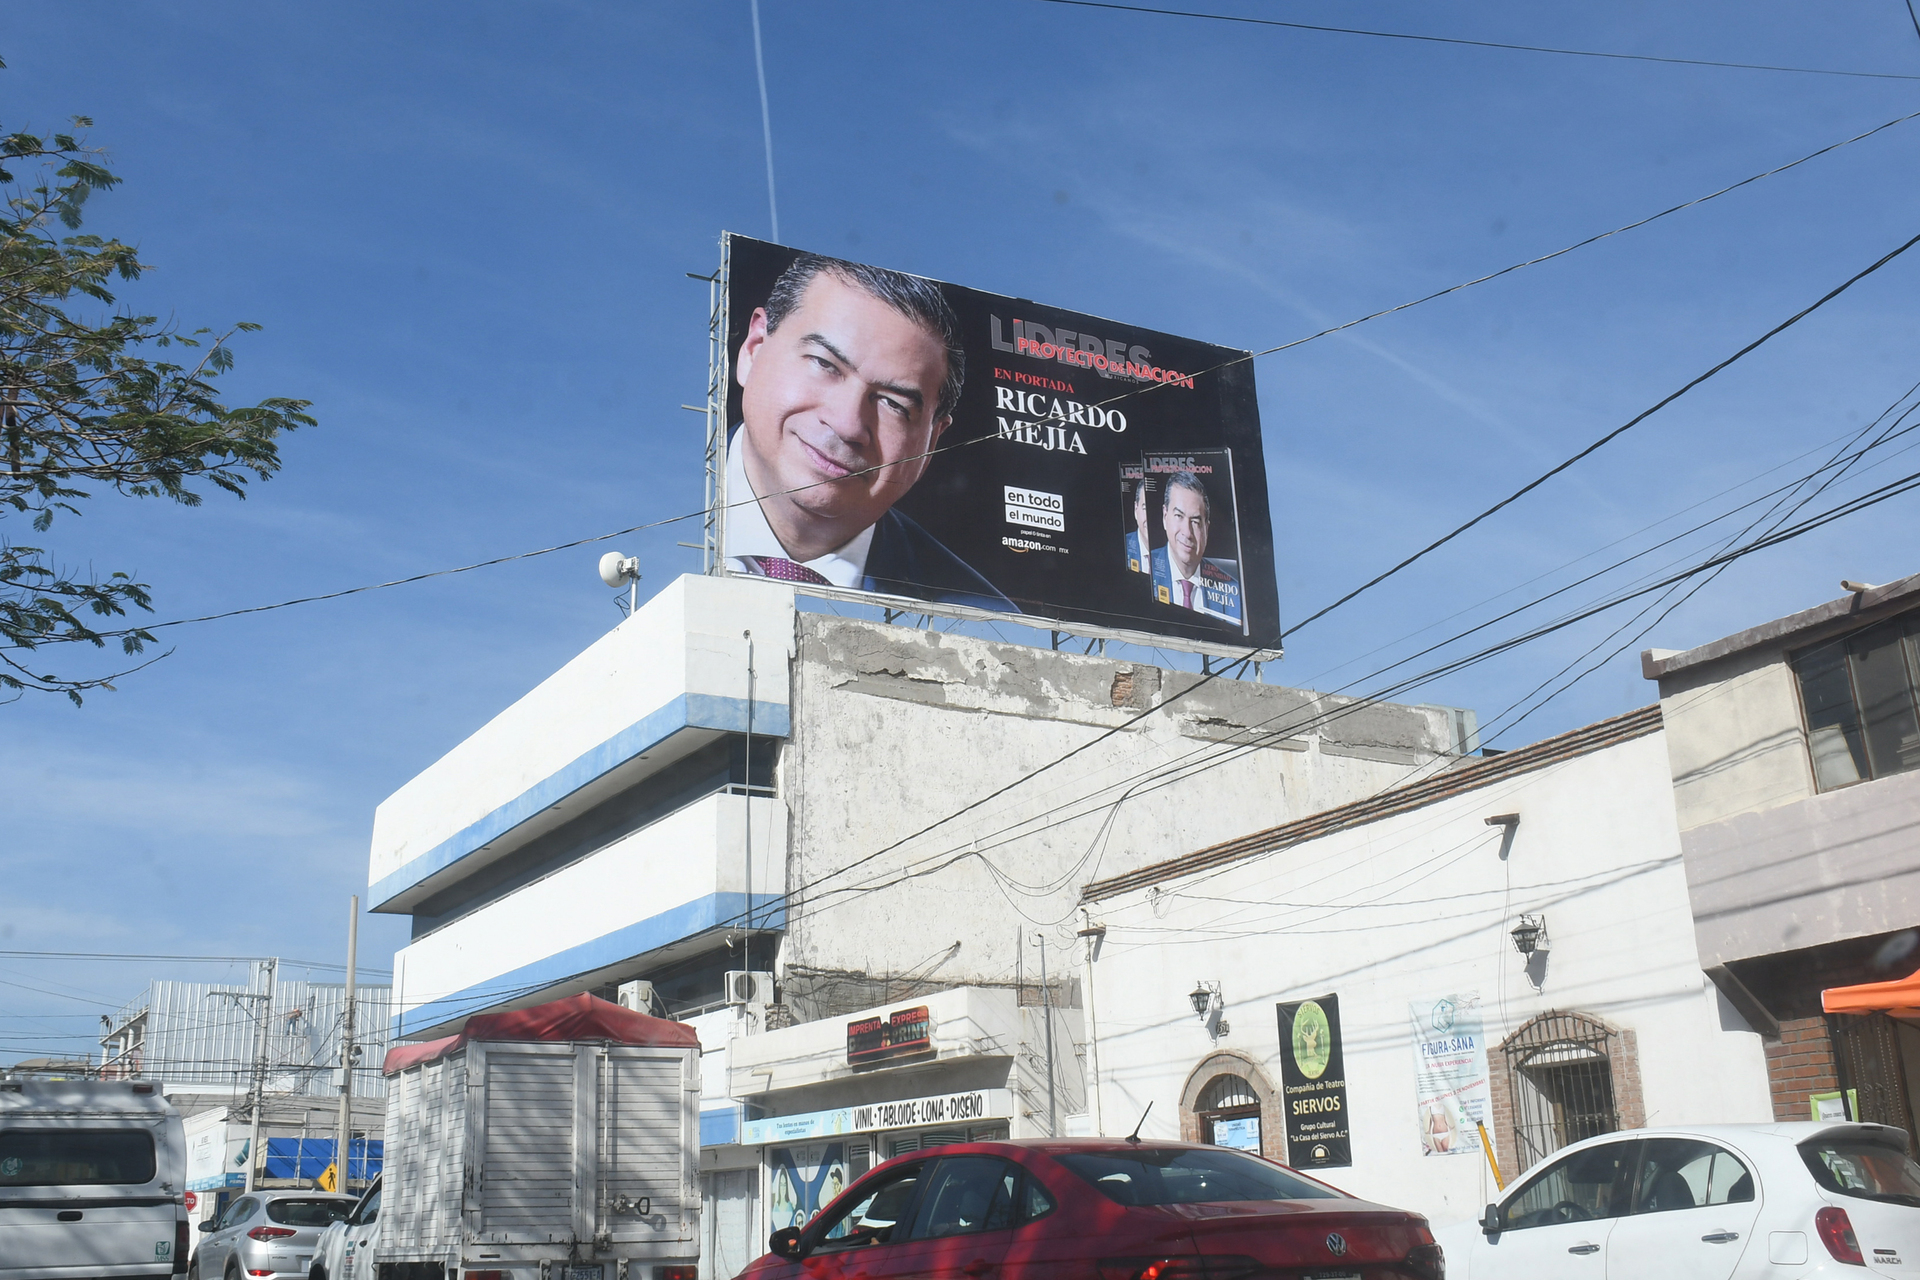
559, 1142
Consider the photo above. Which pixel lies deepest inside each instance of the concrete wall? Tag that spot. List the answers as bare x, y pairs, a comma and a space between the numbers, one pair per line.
1773, 864
1736, 738
1416, 907
1828, 867
894, 729
649, 889
678, 664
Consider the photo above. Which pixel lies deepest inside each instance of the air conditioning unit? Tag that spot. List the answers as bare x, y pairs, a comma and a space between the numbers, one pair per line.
749, 987
637, 996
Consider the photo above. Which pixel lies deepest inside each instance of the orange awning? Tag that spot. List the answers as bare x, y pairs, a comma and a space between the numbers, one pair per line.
1901, 998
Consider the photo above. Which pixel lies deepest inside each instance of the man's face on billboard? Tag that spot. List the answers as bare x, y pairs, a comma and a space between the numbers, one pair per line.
1186, 520
846, 384
1140, 513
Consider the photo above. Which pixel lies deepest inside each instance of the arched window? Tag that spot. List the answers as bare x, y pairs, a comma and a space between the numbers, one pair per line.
1229, 1113
1560, 1070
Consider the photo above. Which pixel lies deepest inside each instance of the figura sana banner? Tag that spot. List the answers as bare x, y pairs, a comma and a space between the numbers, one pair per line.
892, 434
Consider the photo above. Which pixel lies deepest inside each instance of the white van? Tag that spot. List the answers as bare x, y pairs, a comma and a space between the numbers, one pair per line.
92, 1181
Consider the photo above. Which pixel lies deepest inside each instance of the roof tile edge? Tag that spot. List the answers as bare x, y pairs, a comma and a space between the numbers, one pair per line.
1538, 755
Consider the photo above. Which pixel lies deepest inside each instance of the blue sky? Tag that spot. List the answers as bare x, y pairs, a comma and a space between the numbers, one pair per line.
466, 228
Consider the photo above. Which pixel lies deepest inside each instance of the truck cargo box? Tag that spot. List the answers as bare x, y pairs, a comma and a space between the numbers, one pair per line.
565, 1135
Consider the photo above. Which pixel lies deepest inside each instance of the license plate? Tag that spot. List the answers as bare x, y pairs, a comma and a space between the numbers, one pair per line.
599, 1272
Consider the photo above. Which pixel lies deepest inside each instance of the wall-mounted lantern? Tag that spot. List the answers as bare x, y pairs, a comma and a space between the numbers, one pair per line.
1530, 935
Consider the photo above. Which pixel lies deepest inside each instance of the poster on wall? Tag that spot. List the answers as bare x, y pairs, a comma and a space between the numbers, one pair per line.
805, 1180
1313, 1084
892, 434
1453, 1095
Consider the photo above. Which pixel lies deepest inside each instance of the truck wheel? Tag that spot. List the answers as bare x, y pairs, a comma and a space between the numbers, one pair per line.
318, 1273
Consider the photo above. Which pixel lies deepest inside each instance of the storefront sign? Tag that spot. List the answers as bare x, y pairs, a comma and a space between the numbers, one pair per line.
1452, 1091
1313, 1074
905, 1113
901, 1034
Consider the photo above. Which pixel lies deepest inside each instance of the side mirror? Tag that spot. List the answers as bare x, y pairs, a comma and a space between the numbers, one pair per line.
785, 1243
208, 1224
1490, 1221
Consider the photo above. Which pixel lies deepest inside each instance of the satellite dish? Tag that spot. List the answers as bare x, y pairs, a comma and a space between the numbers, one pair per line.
617, 570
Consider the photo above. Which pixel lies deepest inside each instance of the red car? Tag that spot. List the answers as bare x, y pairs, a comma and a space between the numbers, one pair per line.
1100, 1208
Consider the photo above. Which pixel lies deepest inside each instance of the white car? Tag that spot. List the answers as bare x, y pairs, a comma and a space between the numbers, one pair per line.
345, 1251
1718, 1202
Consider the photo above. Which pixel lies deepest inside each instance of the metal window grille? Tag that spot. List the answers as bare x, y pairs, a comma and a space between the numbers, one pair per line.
1560, 1075
1224, 1093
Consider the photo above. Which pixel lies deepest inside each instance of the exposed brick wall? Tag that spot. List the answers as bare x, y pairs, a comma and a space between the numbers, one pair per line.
1231, 1062
1629, 1097
1505, 1144
1800, 1063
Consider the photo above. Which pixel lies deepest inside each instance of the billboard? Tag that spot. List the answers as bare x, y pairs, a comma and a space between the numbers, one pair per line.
922, 440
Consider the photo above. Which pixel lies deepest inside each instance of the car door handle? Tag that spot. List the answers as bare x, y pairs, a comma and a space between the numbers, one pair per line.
978, 1267
1584, 1248
1721, 1237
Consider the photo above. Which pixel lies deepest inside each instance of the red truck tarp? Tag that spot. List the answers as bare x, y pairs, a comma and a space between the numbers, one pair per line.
580, 1017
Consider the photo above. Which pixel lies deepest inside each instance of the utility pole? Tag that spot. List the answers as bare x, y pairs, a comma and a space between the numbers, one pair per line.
343, 1144
746, 773
1046, 1005
257, 1091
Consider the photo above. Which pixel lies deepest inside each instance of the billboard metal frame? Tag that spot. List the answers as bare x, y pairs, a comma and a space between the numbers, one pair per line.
714, 525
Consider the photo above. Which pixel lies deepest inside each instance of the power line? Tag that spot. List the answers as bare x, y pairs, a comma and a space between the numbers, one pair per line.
1608, 438
1187, 768
130, 955
959, 444
1487, 44
1527, 488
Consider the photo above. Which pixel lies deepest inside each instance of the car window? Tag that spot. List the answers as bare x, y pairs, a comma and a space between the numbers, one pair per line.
307, 1213
1685, 1173
874, 1217
1575, 1188
75, 1157
239, 1211
1866, 1170
966, 1195
1034, 1200
1179, 1175
369, 1210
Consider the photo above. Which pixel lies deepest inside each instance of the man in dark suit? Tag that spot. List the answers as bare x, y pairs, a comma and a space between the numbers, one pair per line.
848, 376
1182, 574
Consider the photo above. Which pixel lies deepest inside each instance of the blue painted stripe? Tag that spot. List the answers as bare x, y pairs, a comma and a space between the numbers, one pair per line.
720, 1128
688, 711
671, 925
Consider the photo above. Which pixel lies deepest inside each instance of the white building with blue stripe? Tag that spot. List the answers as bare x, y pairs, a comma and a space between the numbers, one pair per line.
766, 820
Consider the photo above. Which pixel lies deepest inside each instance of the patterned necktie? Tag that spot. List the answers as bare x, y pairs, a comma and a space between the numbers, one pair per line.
784, 570
1186, 594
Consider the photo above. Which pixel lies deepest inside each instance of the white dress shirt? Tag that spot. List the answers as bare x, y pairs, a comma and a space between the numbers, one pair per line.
749, 534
